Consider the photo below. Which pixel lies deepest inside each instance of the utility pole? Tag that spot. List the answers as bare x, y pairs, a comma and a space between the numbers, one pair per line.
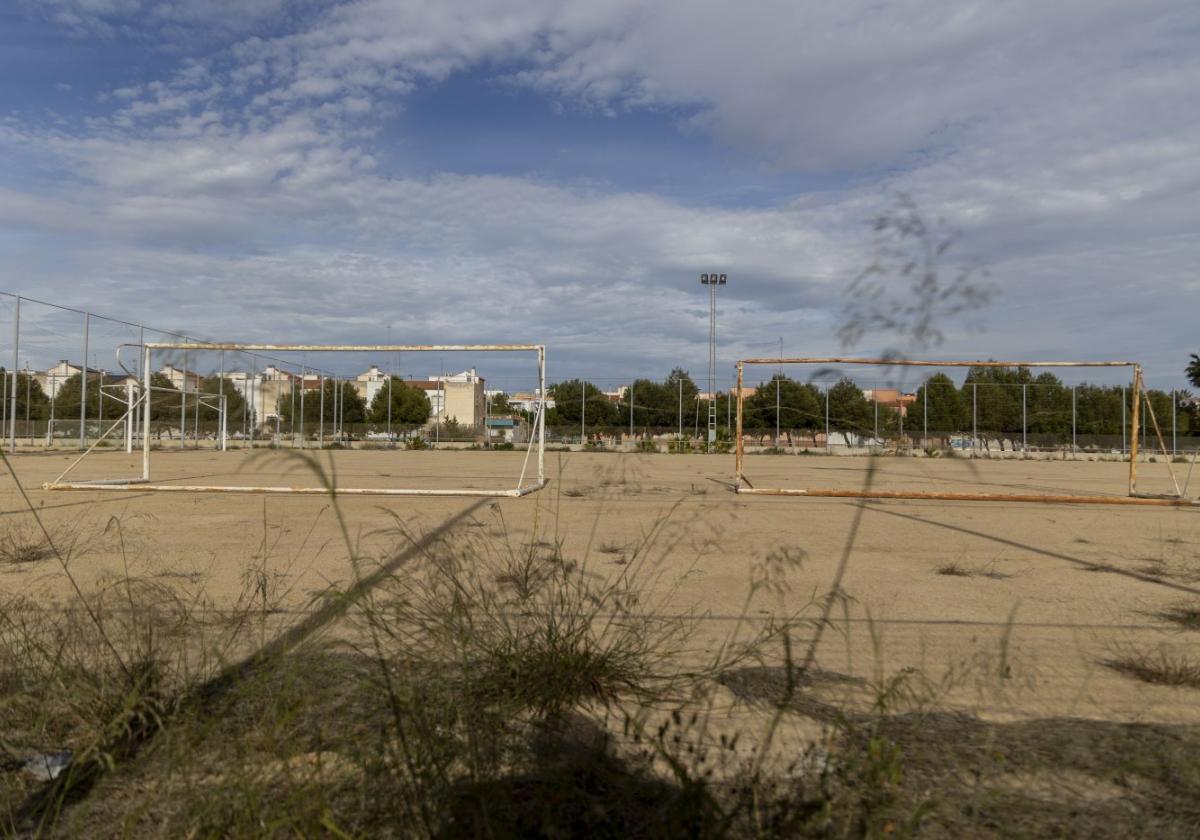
712, 281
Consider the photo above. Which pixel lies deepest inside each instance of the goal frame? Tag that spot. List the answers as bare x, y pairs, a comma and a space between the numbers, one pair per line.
742, 485
143, 482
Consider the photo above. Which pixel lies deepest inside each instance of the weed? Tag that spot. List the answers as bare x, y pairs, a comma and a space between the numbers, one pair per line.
23, 542
1160, 667
952, 570
1185, 615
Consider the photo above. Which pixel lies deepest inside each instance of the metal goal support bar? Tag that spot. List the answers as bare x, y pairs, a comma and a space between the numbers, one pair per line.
142, 483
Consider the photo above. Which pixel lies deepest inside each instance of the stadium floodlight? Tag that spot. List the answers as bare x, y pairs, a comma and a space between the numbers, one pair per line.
142, 403
743, 485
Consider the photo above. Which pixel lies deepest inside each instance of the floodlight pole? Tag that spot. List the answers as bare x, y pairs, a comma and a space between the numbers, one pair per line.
712, 281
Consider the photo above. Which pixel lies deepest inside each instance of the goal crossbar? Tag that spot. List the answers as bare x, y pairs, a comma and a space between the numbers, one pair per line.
743, 486
144, 483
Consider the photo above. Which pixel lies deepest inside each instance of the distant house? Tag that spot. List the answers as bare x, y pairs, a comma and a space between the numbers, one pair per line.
181, 379
53, 378
369, 382
528, 401
891, 398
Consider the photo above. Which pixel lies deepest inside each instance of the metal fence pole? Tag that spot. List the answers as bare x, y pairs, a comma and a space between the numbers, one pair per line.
183, 402
389, 414
975, 417
1124, 443
631, 412
828, 440
1174, 422
303, 377
321, 422
777, 379
16, 351
925, 414
196, 412
1074, 423
681, 409
83, 385
1024, 422
224, 403
582, 413
875, 400
28, 397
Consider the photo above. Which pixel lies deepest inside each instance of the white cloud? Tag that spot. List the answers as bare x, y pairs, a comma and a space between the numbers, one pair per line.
1064, 140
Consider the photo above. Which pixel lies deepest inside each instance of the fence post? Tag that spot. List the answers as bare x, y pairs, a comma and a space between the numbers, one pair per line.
87, 316
16, 352
925, 414
680, 409
1074, 439
582, 413
183, 403
975, 418
777, 380
1024, 422
828, 441
223, 402
304, 377
1174, 422
1123, 429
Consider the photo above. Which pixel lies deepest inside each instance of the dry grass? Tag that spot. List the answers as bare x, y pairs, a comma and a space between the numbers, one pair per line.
1159, 667
1185, 615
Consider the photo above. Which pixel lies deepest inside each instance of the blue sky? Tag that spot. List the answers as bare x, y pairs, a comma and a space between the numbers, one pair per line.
294, 170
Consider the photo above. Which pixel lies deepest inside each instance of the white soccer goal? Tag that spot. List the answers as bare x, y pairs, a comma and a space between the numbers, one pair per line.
140, 395
742, 484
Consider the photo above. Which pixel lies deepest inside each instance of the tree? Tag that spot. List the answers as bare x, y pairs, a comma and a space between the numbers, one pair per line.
947, 412
498, 405
30, 396
657, 404
997, 395
235, 404
410, 406
801, 406
849, 409
67, 398
1193, 370
568, 408
353, 407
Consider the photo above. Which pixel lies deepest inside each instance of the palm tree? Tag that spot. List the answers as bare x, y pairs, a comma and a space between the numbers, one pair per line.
1193, 370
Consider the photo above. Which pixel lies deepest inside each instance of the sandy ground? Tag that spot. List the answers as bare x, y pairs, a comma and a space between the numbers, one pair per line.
1053, 590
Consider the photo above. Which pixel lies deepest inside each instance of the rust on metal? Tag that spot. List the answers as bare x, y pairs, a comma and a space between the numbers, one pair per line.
840, 360
1065, 499
134, 484
332, 348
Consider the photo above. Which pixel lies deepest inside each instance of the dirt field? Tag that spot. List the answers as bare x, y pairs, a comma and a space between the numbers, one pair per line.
1014, 606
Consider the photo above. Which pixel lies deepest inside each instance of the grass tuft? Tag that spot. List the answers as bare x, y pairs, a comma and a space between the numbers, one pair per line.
1185, 615
1158, 668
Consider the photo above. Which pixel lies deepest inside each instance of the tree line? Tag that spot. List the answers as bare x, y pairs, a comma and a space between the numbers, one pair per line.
996, 400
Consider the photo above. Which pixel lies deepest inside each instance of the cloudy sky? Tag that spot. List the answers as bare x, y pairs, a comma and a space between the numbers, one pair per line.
535, 170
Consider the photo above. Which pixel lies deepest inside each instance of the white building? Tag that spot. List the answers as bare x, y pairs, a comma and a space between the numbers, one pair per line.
53, 378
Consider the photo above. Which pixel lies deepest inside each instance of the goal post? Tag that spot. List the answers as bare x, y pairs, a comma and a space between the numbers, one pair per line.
139, 414
743, 485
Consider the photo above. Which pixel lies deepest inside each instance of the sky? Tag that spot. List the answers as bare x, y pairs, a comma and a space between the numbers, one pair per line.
562, 173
